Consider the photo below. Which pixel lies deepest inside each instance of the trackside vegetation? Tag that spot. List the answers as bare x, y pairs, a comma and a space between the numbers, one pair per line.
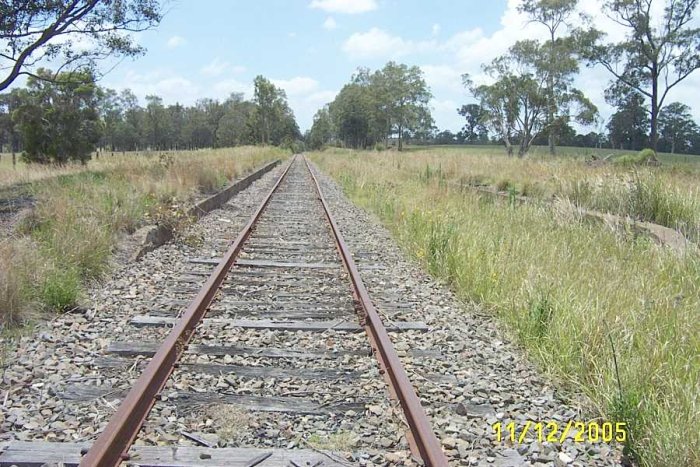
50, 254
578, 296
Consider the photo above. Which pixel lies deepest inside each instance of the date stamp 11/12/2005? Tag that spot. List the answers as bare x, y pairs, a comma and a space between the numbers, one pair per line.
556, 432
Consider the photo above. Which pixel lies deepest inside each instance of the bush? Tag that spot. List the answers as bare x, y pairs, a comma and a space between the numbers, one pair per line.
643, 157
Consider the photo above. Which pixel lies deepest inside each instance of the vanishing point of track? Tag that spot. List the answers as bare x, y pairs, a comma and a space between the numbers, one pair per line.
283, 233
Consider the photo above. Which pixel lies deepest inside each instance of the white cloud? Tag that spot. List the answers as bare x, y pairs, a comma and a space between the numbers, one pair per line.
330, 23
215, 68
164, 83
344, 6
442, 77
224, 88
176, 41
377, 43
297, 86
436, 29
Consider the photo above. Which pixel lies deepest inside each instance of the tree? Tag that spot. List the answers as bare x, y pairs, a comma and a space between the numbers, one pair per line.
322, 131
676, 127
627, 128
33, 31
232, 130
651, 60
560, 64
352, 115
516, 105
59, 121
157, 124
9, 103
403, 96
474, 130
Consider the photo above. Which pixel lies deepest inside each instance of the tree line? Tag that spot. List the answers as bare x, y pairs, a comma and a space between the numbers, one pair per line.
374, 107
64, 117
530, 97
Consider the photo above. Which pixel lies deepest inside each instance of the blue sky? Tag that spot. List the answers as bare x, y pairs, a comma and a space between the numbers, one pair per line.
310, 48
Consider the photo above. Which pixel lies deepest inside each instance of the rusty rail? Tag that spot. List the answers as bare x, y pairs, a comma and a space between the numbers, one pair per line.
113, 444
111, 447
421, 438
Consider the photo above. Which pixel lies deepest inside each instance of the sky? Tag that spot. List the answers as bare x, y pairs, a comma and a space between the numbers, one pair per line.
311, 48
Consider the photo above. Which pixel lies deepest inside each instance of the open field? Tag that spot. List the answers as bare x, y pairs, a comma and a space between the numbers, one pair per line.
81, 212
612, 317
668, 195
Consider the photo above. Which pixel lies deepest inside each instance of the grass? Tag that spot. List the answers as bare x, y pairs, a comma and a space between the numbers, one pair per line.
231, 421
577, 296
668, 195
81, 212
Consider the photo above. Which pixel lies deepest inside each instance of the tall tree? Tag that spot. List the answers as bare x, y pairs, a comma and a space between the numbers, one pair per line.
59, 121
321, 132
32, 31
676, 127
627, 128
474, 130
403, 96
352, 114
9, 103
657, 53
157, 123
516, 104
561, 63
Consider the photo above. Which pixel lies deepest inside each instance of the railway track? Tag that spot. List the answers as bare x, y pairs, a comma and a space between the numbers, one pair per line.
289, 277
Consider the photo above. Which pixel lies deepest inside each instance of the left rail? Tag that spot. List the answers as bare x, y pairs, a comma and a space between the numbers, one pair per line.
112, 446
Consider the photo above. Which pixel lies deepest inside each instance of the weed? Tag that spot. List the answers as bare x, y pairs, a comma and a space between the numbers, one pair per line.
60, 289
230, 421
342, 441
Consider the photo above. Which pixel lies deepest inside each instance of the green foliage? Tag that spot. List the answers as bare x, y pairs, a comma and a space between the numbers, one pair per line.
37, 31
59, 122
272, 120
60, 289
657, 53
676, 127
375, 106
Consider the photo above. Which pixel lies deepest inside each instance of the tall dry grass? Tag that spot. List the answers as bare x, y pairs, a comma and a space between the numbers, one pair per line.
80, 214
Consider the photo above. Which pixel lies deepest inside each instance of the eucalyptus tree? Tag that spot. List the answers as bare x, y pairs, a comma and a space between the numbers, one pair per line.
272, 120
676, 127
322, 131
516, 103
73, 34
657, 53
474, 130
560, 61
403, 96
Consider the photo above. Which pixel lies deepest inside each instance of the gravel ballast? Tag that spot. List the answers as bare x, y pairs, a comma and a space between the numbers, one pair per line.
58, 384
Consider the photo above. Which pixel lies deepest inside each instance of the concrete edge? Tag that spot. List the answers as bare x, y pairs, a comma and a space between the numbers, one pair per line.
660, 234
151, 237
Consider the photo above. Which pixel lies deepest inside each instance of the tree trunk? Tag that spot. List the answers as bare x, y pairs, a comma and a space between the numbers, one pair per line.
551, 107
14, 159
654, 136
400, 142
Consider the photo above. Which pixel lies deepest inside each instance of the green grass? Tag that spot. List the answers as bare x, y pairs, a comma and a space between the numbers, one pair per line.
668, 195
68, 239
574, 294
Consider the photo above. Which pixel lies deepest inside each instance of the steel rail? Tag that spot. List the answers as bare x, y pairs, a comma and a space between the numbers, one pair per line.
421, 437
113, 444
